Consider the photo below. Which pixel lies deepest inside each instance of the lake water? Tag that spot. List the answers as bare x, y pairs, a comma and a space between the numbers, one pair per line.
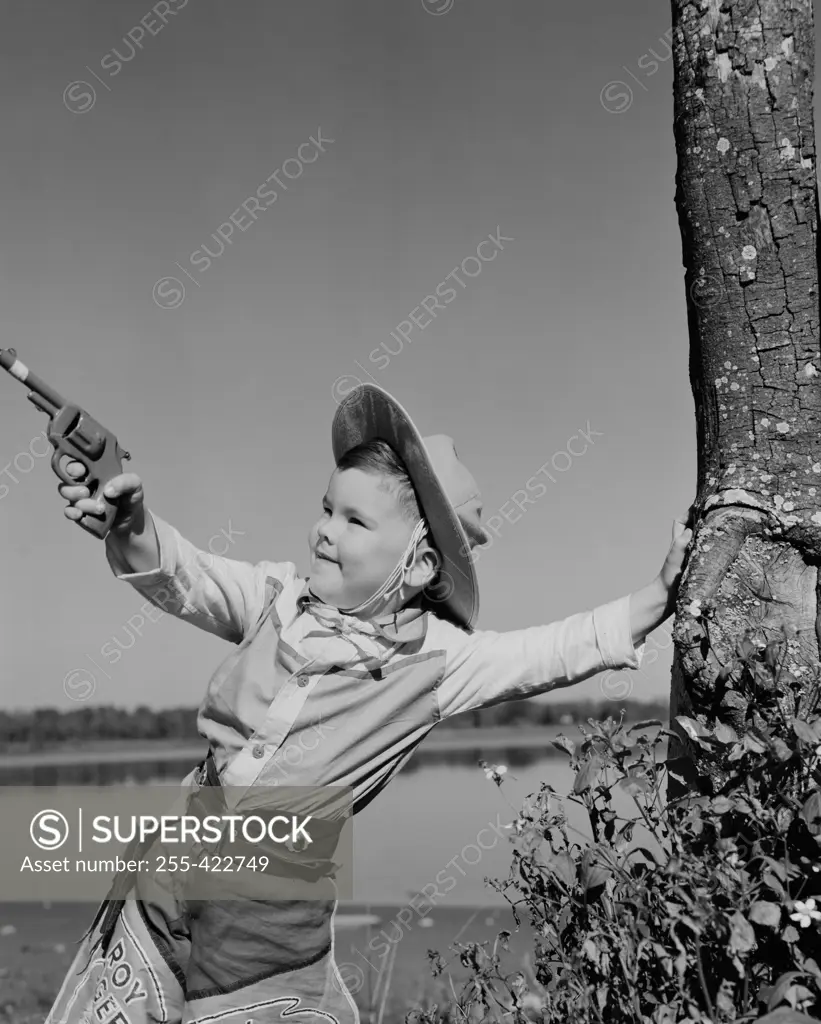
432, 826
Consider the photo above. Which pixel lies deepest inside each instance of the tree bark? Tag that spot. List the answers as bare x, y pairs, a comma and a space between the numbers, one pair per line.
747, 201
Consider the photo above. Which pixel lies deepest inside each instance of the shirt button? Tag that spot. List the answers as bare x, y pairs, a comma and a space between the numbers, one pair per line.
258, 751
303, 680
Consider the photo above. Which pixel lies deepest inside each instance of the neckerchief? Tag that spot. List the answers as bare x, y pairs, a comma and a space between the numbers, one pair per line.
328, 637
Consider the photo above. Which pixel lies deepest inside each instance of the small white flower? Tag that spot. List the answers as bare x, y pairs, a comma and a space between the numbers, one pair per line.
805, 912
495, 772
694, 609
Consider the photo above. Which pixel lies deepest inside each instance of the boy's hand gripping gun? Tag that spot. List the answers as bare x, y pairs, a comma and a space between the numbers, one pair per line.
73, 433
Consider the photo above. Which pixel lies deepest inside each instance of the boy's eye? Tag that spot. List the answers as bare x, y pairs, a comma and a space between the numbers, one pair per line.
357, 521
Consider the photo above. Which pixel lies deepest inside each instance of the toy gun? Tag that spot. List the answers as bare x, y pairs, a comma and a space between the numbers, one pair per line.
73, 433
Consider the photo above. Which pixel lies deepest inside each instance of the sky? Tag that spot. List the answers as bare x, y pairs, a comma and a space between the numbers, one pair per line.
396, 137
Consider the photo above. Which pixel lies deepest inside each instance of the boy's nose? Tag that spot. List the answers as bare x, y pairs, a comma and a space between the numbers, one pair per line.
324, 534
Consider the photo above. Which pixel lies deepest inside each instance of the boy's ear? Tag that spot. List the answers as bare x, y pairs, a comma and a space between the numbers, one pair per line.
425, 568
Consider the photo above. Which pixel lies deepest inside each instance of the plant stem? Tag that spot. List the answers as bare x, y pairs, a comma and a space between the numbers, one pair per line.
703, 981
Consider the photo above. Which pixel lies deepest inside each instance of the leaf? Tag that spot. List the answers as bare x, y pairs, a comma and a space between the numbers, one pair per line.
591, 951
587, 776
597, 877
593, 873
771, 653
724, 999
806, 732
695, 730
634, 783
763, 676
783, 818
742, 936
778, 993
725, 673
781, 750
764, 913
646, 723
811, 812
770, 880
683, 771
812, 968
563, 866
564, 744
722, 804
776, 867
647, 854
798, 994
663, 958
624, 837
753, 743
620, 741
726, 733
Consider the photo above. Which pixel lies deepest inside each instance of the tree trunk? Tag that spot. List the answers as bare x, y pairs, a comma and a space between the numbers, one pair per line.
747, 202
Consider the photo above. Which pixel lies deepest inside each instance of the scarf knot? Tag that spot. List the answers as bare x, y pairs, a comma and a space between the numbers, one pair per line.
329, 638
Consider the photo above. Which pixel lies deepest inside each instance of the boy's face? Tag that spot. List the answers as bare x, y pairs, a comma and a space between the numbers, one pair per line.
362, 530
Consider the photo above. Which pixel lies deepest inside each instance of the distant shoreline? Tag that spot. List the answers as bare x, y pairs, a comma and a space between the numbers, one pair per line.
169, 751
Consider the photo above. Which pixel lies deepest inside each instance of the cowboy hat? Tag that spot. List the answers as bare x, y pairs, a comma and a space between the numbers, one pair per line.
448, 495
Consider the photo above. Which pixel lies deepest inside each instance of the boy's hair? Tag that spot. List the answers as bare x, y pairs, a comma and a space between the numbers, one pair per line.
378, 457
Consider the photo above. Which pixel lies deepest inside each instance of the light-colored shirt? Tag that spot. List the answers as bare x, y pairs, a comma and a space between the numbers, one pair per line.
272, 718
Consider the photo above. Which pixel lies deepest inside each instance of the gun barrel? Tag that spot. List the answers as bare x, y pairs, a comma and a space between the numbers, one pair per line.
8, 357
10, 362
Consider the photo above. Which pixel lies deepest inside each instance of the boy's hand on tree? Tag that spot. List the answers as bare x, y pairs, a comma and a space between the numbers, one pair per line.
651, 605
676, 556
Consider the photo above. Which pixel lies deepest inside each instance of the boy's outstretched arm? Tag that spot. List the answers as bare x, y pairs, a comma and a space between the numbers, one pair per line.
651, 605
484, 668
220, 595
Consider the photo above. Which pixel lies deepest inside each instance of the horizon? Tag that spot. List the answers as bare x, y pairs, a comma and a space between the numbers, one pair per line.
592, 701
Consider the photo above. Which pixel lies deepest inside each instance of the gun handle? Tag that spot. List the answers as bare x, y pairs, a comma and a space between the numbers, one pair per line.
98, 473
100, 526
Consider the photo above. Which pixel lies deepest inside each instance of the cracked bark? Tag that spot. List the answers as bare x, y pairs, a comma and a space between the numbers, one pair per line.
747, 201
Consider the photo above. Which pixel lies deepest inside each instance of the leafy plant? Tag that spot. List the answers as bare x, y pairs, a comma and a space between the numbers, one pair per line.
705, 908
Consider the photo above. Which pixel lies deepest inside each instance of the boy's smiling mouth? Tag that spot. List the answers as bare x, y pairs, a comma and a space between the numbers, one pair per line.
325, 558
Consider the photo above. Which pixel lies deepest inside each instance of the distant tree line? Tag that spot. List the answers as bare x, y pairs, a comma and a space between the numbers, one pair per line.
49, 727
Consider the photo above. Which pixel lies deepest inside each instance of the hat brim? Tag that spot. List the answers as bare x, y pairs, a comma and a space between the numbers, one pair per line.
369, 413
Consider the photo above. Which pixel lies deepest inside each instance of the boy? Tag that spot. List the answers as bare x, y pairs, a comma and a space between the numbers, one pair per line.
370, 652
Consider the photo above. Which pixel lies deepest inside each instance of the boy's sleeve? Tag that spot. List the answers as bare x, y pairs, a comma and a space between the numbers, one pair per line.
220, 595
485, 668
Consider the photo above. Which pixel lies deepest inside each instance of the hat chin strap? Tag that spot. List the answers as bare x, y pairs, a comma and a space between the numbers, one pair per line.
394, 582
